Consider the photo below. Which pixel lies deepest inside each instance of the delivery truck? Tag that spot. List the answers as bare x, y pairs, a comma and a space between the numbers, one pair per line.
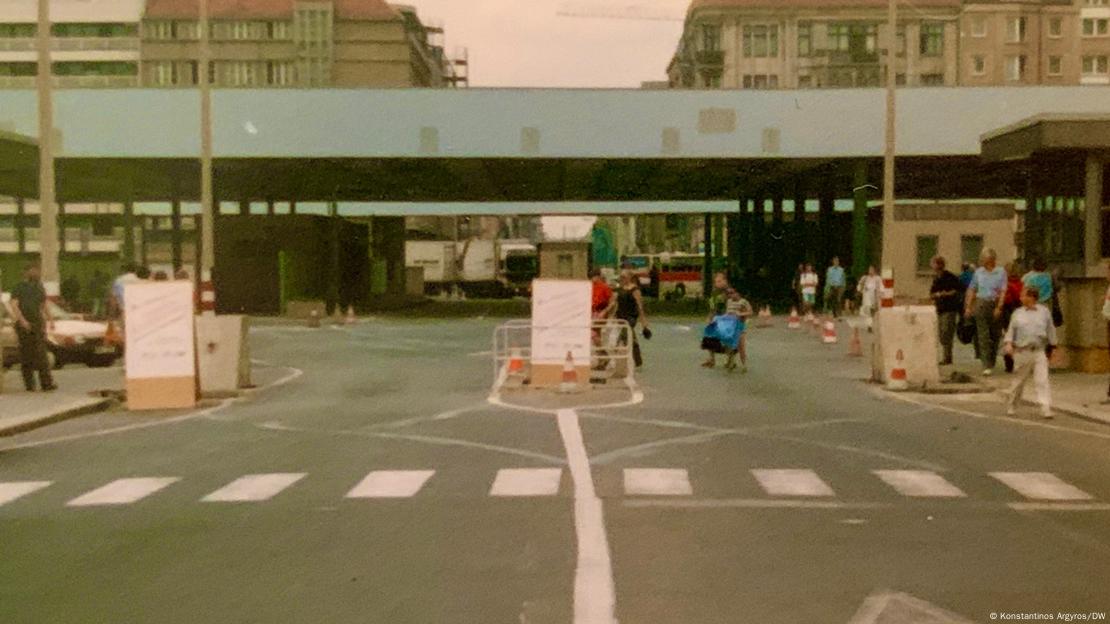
439, 260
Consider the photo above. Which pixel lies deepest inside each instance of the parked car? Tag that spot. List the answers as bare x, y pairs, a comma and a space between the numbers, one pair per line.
71, 339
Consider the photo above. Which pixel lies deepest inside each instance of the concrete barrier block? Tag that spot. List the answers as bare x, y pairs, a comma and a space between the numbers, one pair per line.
223, 354
913, 331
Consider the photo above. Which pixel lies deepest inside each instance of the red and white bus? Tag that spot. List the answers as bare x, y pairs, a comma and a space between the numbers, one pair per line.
680, 274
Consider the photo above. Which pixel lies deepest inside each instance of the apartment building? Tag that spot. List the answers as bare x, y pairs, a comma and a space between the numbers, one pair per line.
284, 43
769, 44
95, 43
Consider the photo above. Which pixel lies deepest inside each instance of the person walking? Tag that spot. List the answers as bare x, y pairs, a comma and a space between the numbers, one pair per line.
741, 309
947, 295
1038, 277
985, 295
1030, 338
796, 288
809, 282
723, 329
1011, 301
835, 281
628, 306
870, 289
32, 316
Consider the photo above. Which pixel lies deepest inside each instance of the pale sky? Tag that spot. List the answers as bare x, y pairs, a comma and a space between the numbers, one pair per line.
523, 43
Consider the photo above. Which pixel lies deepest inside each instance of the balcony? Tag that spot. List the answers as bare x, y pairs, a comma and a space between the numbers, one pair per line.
72, 44
710, 57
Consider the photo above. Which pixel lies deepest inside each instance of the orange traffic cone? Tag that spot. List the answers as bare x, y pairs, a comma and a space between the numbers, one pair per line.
793, 322
350, 320
516, 363
829, 335
855, 347
570, 376
765, 316
898, 380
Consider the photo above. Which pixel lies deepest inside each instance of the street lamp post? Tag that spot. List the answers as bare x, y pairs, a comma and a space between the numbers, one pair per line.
207, 208
888, 150
48, 208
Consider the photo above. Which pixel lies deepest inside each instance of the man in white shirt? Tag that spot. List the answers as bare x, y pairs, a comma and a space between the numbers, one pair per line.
809, 282
1030, 338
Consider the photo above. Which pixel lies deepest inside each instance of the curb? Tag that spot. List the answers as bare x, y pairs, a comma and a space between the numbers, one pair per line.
66, 414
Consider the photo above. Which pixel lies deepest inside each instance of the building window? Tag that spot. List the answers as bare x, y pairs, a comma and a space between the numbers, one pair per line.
932, 39
932, 80
1095, 27
159, 30
805, 81
163, 73
860, 41
1015, 68
1056, 27
761, 81
978, 26
926, 251
710, 38
971, 246
19, 69
1055, 65
17, 31
106, 30
900, 40
94, 68
978, 65
1015, 30
1094, 66
279, 73
761, 41
279, 31
711, 80
805, 39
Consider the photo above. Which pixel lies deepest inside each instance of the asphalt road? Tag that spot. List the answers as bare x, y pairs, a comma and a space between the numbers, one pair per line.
370, 480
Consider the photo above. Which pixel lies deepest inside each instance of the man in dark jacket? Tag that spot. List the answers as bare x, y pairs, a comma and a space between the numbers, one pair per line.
947, 294
31, 317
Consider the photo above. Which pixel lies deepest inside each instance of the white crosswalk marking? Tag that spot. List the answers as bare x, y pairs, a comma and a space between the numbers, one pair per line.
527, 482
391, 484
791, 482
123, 491
657, 482
922, 483
1040, 486
257, 487
18, 489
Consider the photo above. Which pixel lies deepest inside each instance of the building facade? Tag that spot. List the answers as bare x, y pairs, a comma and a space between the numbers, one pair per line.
803, 44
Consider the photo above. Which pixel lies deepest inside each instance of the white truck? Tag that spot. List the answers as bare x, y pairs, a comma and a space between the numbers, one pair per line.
439, 261
479, 264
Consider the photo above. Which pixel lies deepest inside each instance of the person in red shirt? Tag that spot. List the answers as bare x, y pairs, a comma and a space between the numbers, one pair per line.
1011, 301
599, 311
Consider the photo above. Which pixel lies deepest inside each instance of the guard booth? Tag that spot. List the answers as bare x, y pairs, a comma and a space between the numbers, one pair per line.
1067, 217
567, 260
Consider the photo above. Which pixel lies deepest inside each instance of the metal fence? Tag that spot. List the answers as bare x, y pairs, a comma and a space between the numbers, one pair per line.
610, 349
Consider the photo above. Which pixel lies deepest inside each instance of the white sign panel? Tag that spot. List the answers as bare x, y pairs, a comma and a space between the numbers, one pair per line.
561, 321
159, 330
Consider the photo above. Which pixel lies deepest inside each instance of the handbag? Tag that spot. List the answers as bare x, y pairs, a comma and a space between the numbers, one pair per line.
1057, 311
965, 331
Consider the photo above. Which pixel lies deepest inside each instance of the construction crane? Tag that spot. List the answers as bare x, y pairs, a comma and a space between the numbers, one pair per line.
620, 10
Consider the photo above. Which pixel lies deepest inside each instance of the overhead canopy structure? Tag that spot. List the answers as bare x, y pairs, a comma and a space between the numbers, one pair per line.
519, 145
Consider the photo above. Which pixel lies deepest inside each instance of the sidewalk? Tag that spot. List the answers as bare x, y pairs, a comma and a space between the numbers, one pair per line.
22, 411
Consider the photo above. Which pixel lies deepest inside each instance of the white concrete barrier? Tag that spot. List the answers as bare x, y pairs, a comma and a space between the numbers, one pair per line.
223, 354
913, 331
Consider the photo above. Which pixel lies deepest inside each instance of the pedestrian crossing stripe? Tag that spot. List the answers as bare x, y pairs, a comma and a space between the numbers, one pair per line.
1039, 489
253, 488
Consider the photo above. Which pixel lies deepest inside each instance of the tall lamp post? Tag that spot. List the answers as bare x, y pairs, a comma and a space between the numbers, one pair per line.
888, 151
207, 208
48, 208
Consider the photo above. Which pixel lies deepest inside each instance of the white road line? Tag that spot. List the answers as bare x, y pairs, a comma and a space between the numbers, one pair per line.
595, 596
18, 489
391, 484
1040, 486
123, 491
748, 503
1059, 506
657, 482
791, 482
921, 483
257, 487
527, 482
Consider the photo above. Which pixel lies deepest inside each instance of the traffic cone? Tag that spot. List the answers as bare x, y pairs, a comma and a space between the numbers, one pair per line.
516, 363
314, 319
793, 322
570, 376
829, 336
765, 316
855, 347
897, 380
350, 320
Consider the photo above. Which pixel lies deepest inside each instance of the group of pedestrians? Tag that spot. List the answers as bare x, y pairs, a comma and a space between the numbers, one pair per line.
1000, 311
625, 304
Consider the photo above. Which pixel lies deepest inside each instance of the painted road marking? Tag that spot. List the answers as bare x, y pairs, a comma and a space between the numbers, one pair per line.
595, 594
527, 482
18, 489
791, 482
657, 482
922, 483
1040, 486
257, 487
123, 491
391, 484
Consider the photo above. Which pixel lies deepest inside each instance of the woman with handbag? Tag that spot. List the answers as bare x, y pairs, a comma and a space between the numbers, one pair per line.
628, 305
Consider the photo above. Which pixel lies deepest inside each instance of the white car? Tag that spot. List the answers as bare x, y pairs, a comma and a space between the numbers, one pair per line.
71, 339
